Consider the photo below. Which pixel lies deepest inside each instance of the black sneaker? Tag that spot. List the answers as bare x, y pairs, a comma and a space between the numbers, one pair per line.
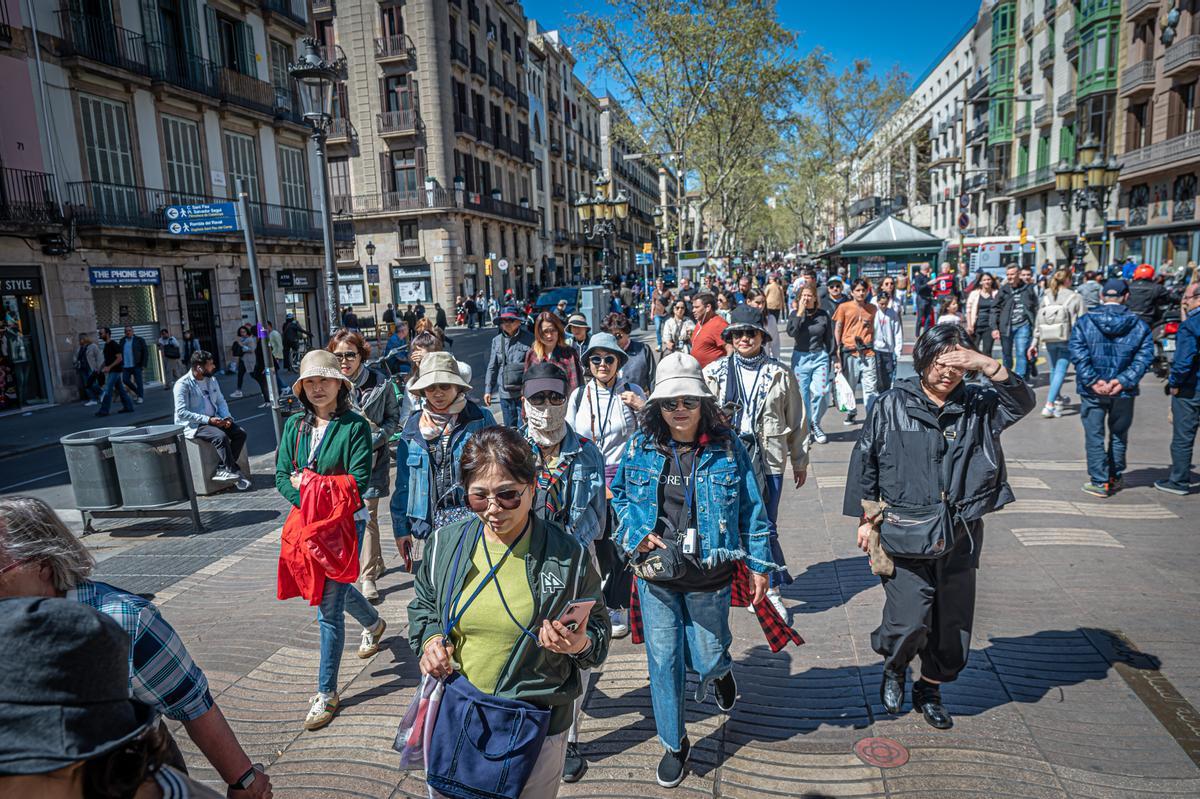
574, 767
673, 766
726, 691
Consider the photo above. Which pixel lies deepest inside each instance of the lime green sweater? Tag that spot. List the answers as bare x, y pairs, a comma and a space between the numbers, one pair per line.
346, 450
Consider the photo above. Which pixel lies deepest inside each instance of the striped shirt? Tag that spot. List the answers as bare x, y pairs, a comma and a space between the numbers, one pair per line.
161, 672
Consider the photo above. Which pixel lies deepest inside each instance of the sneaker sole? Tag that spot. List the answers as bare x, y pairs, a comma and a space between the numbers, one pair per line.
570, 778
1099, 494
1179, 492
313, 726
682, 775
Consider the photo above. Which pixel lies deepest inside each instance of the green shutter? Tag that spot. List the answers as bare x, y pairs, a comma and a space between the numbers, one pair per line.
214, 39
153, 34
191, 28
247, 38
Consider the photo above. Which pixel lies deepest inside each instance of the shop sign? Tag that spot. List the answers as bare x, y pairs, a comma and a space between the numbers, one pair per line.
20, 286
298, 279
284, 279
112, 276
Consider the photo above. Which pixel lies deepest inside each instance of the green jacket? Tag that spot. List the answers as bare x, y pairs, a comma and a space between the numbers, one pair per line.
347, 450
560, 570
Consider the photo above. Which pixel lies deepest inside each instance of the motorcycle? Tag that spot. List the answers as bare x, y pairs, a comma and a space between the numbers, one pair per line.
1163, 334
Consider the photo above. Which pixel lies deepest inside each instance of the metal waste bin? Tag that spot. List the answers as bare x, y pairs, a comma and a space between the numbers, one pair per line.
90, 464
152, 466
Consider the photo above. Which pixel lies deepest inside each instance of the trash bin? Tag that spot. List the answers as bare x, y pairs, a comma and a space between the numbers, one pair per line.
150, 466
93, 472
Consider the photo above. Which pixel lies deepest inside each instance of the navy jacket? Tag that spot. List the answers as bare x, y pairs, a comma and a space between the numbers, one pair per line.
1187, 359
1108, 342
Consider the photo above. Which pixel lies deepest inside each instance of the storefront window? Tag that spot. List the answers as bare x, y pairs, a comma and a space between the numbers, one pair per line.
351, 287
22, 380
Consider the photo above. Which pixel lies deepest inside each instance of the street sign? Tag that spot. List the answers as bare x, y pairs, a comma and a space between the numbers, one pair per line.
691, 257
644, 258
503, 265
964, 221
647, 247
202, 218
372, 274
964, 202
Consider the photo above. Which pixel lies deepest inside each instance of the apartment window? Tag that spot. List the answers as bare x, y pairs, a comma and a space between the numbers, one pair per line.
109, 154
232, 41
470, 246
279, 75
1066, 143
397, 93
1182, 106
1043, 151
403, 164
293, 186
391, 23
1137, 126
339, 183
181, 145
241, 160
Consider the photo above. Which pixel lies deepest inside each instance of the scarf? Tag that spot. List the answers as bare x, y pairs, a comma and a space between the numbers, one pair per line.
433, 424
755, 362
547, 424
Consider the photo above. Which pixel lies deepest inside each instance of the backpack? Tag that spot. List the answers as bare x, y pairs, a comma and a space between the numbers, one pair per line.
171, 350
1055, 323
236, 347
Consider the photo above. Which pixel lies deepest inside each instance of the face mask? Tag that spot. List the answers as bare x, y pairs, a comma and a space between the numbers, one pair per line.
547, 424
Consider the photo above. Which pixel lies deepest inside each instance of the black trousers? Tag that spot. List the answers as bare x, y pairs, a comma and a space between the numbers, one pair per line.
227, 443
616, 578
929, 608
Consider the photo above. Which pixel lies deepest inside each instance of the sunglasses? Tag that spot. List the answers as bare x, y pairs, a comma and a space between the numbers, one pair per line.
744, 334
674, 404
508, 499
602, 360
346, 356
543, 397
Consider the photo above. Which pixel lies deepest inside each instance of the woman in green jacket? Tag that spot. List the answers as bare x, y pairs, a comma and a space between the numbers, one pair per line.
508, 641
329, 439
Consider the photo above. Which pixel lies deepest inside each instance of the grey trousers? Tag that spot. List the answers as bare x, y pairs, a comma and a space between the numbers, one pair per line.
928, 610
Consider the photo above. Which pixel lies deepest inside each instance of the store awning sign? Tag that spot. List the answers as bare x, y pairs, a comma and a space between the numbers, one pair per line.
20, 286
183, 220
116, 276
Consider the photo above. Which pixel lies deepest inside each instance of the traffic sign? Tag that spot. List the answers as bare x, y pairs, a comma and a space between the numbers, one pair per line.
644, 258
964, 202
647, 247
372, 274
202, 218
503, 265
964, 221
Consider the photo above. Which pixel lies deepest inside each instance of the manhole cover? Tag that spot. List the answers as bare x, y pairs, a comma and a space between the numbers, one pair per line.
881, 752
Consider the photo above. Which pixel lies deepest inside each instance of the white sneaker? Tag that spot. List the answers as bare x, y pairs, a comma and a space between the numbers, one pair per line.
322, 710
619, 619
777, 602
236, 395
243, 484
224, 475
369, 644
1047, 411
138, 400
370, 591
818, 435
89, 403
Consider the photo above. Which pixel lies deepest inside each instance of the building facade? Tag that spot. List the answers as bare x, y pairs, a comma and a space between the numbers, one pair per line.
112, 115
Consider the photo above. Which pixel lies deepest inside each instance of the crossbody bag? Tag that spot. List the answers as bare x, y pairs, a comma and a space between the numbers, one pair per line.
924, 532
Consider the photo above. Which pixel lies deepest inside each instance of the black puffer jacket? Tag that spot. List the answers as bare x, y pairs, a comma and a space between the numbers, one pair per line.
898, 458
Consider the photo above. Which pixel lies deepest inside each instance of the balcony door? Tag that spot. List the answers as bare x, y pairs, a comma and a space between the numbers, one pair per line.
108, 151
397, 91
93, 30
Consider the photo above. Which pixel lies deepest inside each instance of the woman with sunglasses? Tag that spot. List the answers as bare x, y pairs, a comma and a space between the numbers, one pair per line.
550, 346
373, 399
604, 410
329, 438
428, 491
678, 329
764, 408
756, 298
689, 508
508, 640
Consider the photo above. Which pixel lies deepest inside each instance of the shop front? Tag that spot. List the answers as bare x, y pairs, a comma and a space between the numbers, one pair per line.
300, 295
24, 375
886, 246
129, 297
412, 284
1170, 248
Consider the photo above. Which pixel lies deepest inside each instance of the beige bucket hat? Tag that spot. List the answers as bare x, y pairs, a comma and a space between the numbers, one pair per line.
318, 363
438, 367
679, 375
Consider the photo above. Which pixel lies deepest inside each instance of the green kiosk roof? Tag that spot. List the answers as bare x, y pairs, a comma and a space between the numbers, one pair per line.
887, 235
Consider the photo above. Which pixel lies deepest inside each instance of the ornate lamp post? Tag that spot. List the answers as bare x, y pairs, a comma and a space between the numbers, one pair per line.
1084, 186
317, 78
601, 214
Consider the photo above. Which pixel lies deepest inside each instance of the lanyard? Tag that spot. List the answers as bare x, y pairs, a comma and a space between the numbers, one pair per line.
612, 394
689, 490
455, 611
747, 400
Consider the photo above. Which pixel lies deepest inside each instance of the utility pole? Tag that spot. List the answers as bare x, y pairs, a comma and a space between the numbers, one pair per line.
264, 343
962, 176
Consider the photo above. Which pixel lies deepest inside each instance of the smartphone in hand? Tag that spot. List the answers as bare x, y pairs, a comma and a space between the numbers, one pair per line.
575, 613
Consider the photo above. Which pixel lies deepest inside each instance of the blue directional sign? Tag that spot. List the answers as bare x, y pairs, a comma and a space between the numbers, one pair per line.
644, 258
202, 218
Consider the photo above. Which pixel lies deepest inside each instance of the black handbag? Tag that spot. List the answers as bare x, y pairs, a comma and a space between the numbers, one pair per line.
924, 532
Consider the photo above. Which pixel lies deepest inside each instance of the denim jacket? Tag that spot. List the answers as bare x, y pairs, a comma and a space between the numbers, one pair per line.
731, 515
588, 501
412, 506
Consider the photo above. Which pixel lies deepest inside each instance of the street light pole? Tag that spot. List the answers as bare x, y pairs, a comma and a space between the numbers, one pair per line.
332, 289
373, 287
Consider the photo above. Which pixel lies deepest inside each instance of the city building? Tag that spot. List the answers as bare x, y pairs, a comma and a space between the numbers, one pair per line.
637, 177
114, 113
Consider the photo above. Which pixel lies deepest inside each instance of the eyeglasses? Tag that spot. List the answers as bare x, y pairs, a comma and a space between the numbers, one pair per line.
673, 404
543, 397
744, 333
508, 499
439, 387
346, 356
602, 360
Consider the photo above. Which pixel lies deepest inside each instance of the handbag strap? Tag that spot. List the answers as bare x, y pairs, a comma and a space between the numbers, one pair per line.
455, 612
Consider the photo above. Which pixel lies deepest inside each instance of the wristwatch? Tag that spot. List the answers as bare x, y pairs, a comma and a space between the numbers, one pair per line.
246, 780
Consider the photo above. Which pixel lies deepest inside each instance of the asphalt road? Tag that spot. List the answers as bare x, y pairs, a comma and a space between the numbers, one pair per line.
44, 473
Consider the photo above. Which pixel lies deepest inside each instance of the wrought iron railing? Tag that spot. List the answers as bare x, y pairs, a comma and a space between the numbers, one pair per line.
402, 121
28, 197
98, 39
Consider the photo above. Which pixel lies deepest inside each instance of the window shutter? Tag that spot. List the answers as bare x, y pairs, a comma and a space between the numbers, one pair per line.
247, 37
191, 29
150, 28
385, 172
420, 168
214, 41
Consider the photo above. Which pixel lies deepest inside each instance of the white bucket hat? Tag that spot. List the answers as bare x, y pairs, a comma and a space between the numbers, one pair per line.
318, 363
438, 368
679, 375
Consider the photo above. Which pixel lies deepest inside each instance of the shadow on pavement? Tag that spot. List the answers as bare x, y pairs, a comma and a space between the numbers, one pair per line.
826, 585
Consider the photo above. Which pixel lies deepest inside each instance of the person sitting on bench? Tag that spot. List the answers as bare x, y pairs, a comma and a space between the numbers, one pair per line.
201, 409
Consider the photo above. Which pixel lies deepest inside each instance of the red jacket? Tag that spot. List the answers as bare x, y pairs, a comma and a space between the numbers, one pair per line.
320, 540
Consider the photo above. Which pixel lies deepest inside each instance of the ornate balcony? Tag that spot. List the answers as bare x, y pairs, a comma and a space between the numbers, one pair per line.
1182, 58
396, 123
396, 49
459, 53
1136, 78
28, 197
1046, 57
490, 205
1136, 9
1043, 116
1160, 155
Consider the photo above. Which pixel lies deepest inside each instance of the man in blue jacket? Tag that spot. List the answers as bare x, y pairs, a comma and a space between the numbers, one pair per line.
1111, 349
1185, 404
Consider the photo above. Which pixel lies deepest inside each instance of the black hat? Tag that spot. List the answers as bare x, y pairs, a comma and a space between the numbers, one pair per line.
65, 693
544, 376
746, 317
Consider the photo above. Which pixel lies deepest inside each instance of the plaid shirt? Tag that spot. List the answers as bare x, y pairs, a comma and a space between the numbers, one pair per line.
776, 630
161, 672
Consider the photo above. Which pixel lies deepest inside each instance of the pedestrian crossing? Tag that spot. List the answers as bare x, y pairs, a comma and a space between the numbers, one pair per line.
1109, 510
1065, 536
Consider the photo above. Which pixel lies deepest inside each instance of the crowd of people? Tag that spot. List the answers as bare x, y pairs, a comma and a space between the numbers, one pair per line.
624, 488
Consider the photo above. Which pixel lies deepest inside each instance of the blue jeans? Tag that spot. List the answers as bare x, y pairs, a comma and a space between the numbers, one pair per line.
1021, 336
1059, 356
658, 323
684, 630
133, 380
511, 410
338, 599
812, 373
772, 494
112, 382
1105, 459
1186, 414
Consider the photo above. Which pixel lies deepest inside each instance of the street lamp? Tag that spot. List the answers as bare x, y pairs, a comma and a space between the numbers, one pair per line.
370, 248
602, 214
1084, 186
317, 77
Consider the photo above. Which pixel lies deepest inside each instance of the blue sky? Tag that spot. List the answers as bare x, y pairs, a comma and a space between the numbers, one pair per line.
911, 34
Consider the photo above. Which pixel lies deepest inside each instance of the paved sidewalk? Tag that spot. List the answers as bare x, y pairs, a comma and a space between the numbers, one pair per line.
1049, 706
